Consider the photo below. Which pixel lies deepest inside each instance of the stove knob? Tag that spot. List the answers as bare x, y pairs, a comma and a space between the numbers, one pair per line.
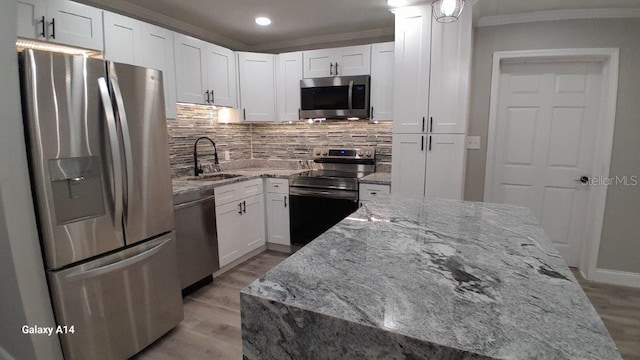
324, 153
360, 153
318, 153
369, 154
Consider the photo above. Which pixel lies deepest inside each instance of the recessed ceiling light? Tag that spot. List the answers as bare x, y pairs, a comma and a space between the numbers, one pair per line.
396, 3
263, 21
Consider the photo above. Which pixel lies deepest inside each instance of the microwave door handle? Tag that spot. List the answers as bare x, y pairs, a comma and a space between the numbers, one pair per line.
128, 153
115, 151
350, 97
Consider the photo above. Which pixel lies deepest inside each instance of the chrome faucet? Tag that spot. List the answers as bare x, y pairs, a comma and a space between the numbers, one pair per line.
197, 170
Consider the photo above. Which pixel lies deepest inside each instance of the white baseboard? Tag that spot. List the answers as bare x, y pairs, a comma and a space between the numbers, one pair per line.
616, 277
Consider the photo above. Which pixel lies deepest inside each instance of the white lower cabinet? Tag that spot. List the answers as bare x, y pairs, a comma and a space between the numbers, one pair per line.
228, 220
240, 219
430, 165
409, 164
278, 231
252, 222
369, 192
445, 166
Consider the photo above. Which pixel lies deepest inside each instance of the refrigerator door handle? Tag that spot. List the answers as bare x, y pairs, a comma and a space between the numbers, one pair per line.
81, 275
115, 151
126, 137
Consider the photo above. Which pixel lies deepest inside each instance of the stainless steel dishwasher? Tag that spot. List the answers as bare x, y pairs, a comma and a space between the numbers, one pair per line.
196, 238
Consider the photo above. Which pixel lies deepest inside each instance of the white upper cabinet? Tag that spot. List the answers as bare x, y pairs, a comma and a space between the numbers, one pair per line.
74, 24
450, 74
289, 74
205, 73
122, 39
351, 60
157, 53
134, 42
191, 70
60, 21
382, 65
257, 86
221, 76
32, 20
412, 61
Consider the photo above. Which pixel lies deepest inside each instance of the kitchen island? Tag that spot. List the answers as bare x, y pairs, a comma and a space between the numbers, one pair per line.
412, 279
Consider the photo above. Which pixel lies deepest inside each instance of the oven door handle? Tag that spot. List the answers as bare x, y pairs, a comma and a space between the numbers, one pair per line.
327, 194
350, 95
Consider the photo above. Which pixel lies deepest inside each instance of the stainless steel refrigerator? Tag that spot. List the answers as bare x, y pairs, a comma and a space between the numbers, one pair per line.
99, 163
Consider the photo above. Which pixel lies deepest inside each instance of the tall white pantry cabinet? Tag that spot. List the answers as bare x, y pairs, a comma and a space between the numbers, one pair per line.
432, 69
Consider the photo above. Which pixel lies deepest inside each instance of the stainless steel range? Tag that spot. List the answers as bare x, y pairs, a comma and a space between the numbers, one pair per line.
323, 196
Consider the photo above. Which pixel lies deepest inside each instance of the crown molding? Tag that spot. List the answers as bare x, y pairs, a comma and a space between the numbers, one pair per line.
154, 17
556, 15
323, 39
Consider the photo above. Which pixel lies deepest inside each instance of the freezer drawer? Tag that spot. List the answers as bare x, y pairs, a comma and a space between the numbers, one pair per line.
120, 303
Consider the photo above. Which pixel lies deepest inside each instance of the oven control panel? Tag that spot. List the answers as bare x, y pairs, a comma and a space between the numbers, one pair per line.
339, 153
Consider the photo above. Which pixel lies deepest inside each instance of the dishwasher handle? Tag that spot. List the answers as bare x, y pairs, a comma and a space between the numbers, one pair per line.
194, 203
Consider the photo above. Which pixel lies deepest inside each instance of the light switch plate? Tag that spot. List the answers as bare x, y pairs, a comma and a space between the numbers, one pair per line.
473, 142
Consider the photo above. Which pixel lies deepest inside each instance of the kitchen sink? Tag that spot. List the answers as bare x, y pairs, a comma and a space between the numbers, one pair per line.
214, 177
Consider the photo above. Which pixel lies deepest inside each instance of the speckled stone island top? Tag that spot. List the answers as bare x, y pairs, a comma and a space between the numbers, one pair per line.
415, 279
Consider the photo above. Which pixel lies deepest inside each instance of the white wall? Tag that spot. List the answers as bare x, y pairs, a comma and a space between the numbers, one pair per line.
24, 297
620, 244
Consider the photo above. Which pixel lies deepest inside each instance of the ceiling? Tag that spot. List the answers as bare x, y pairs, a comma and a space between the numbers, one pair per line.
302, 23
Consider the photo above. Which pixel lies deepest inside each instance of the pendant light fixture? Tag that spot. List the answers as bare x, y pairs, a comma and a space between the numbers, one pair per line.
446, 11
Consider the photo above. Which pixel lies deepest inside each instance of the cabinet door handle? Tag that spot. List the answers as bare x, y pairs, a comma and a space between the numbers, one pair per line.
423, 123
244, 113
372, 113
240, 211
53, 28
422, 143
374, 193
207, 93
244, 205
336, 68
431, 124
299, 114
330, 68
285, 201
213, 97
430, 143
44, 27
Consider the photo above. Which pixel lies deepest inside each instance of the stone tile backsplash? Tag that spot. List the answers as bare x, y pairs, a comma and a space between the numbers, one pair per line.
194, 121
267, 140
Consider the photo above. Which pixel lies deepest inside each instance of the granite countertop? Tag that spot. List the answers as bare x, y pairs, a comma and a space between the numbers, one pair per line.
380, 178
411, 278
185, 184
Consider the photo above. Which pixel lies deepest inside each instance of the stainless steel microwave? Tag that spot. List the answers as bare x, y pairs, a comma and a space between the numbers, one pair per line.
335, 97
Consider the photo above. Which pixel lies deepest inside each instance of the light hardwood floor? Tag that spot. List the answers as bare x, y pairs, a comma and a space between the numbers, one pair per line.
619, 308
211, 325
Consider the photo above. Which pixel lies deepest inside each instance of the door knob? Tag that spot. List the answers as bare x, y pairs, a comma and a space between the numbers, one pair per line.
583, 180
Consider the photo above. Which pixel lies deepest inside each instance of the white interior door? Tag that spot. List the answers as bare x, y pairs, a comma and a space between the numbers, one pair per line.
545, 139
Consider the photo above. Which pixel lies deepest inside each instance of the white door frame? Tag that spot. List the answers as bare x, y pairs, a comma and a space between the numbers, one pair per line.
609, 57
